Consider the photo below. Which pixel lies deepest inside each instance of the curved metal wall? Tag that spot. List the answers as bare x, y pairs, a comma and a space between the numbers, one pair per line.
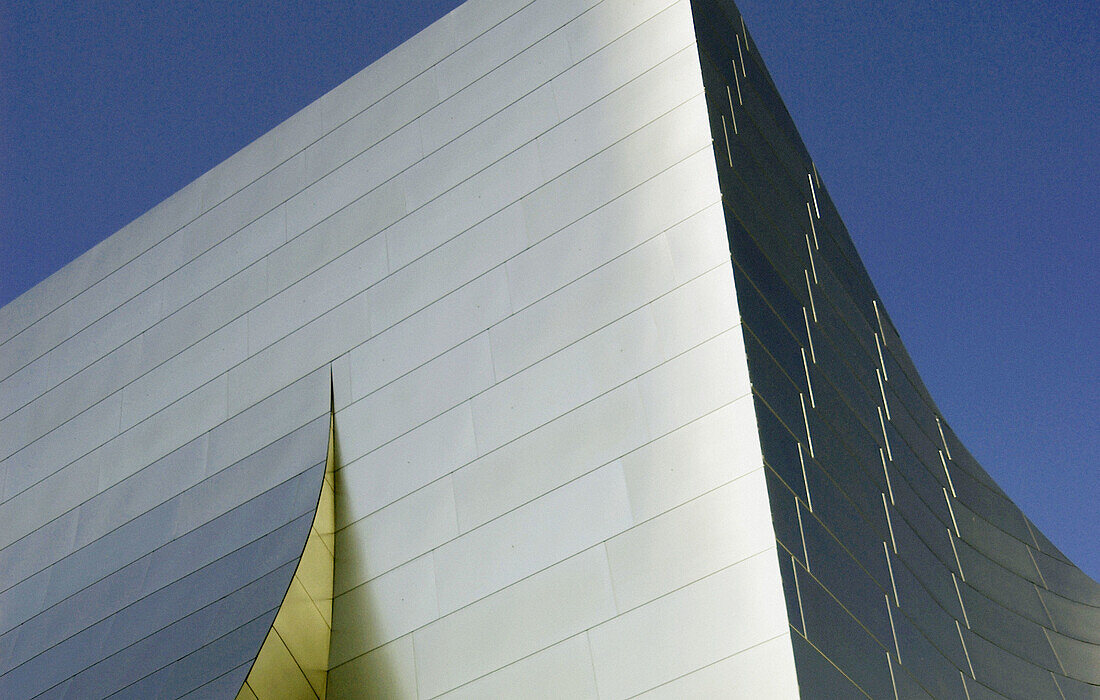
293, 661
907, 571
506, 238
165, 583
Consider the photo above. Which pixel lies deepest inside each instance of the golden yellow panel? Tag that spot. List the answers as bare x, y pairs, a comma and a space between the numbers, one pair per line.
276, 675
315, 575
246, 693
325, 524
305, 634
293, 661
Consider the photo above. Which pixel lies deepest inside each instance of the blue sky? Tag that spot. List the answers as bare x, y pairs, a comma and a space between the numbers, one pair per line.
958, 140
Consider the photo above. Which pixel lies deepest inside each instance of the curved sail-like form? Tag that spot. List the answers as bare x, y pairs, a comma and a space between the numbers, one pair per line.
618, 412
164, 581
907, 571
292, 664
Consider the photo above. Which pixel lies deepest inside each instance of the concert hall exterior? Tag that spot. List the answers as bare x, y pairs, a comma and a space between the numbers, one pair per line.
532, 361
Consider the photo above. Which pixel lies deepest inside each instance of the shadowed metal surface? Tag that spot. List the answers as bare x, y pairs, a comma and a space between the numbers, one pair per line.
907, 571
293, 661
507, 245
174, 574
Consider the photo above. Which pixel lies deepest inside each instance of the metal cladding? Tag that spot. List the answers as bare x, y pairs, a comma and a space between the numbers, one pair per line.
480, 300
906, 570
293, 660
167, 580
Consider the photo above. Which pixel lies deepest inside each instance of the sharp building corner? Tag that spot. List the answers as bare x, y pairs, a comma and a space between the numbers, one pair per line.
532, 361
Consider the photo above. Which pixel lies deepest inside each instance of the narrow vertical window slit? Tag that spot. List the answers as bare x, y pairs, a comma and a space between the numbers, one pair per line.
952, 512
962, 606
802, 534
805, 479
955, 551
798, 594
889, 524
878, 318
813, 193
893, 631
813, 229
947, 473
886, 472
943, 438
894, 683
890, 568
809, 384
810, 292
737, 83
725, 134
882, 390
806, 420
885, 437
881, 360
809, 335
813, 266
733, 115
965, 652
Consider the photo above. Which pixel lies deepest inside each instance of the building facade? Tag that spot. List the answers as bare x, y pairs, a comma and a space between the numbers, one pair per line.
533, 360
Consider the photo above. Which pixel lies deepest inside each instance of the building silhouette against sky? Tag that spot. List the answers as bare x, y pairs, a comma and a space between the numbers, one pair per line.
448, 386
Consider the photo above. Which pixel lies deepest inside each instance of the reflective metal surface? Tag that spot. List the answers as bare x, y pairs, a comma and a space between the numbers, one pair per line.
293, 661
172, 577
908, 572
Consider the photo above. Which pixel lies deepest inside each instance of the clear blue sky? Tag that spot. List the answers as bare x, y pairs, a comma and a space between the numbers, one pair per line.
959, 141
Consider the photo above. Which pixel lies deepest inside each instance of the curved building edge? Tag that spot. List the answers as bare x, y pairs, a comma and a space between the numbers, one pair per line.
293, 660
173, 569
507, 245
907, 570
